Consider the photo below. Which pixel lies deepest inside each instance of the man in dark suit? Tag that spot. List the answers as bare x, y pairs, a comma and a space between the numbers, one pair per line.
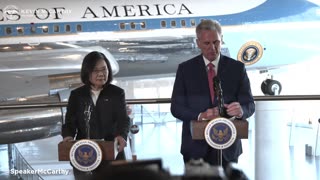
191, 96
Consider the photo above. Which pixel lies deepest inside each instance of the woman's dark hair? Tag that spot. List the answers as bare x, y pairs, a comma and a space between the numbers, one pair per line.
88, 64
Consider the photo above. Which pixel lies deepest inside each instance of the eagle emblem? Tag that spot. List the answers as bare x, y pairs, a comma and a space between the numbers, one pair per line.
221, 134
85, 157
250, 53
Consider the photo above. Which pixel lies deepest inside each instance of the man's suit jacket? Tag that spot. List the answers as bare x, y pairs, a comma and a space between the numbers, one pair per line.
108, 118
191, 96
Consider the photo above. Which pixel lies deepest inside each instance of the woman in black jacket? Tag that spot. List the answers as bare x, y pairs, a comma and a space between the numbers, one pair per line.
108, 118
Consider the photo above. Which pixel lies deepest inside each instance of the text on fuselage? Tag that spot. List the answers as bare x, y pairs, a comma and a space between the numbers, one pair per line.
13, 13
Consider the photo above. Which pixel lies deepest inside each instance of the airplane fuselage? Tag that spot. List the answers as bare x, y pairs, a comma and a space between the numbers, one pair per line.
265, 22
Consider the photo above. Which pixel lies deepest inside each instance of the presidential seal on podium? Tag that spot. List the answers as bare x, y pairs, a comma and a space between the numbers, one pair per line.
85, 155
220, 133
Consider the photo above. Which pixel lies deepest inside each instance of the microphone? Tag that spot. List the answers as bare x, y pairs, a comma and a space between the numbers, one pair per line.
87, 117
219, 94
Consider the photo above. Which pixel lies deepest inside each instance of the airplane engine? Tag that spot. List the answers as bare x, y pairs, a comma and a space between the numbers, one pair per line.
19, 125
49, 59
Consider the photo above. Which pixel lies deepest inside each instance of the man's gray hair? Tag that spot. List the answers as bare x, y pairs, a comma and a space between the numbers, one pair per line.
208, 25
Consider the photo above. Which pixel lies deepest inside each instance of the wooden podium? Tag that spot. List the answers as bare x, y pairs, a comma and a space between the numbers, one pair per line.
107, 148
198, 127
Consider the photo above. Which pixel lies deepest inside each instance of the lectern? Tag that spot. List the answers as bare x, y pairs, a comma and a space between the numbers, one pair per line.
219, 138
198, 127
107, 148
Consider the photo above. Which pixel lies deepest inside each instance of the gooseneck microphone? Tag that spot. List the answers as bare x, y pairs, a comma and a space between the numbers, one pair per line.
219, 94
87, 116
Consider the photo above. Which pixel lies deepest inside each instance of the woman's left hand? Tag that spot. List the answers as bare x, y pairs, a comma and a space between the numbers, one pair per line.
121, 143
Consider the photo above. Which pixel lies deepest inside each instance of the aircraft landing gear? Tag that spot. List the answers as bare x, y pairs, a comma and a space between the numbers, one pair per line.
271, 87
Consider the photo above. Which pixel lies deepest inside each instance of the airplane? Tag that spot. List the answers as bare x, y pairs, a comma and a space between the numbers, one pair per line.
42, 43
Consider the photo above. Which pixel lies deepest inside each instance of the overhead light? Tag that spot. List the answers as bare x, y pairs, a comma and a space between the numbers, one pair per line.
27, 47
34, 43
21, 99
67, 44
72, 56
47, 48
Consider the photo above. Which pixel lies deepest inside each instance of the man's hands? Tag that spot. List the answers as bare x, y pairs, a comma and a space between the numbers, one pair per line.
209, 114
233, 109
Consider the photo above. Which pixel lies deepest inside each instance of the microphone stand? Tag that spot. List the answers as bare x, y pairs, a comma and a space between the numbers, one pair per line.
222, 110
87, 117
219, 94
